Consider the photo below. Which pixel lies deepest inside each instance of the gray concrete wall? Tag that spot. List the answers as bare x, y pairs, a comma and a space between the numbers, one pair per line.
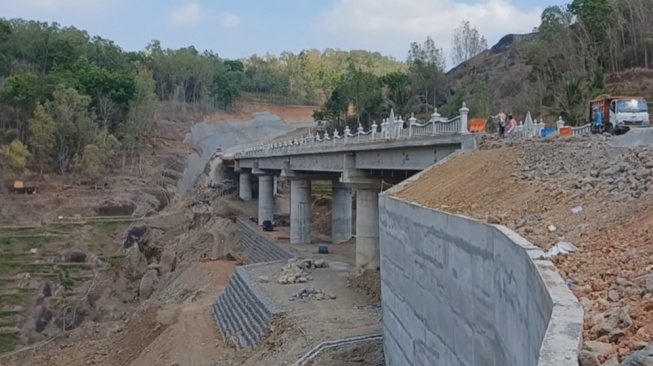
244, 312
456, 291
258, 247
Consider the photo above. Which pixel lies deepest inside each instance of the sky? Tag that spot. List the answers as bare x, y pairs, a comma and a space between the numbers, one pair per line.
240, 28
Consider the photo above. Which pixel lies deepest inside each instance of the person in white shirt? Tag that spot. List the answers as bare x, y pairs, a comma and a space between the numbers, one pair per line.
501, 119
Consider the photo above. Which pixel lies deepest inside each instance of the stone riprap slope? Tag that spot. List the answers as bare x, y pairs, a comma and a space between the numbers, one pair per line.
258, 247
244, 312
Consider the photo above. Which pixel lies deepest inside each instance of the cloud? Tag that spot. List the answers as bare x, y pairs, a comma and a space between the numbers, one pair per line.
187, 14
392, 25
228, 20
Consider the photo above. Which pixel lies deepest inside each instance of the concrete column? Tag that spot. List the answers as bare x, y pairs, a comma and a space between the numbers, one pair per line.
300, 211
265, 199
245, 186
367, 229
341, 213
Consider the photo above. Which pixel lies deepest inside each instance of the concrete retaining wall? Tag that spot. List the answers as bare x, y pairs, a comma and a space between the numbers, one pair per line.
258, 247
244, 312
456, 291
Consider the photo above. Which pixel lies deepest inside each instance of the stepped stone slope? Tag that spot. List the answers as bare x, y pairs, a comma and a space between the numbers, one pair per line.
244, 312
258, 247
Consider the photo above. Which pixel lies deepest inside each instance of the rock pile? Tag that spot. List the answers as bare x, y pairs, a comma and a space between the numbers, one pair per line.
298, 270
311, 293
585, 164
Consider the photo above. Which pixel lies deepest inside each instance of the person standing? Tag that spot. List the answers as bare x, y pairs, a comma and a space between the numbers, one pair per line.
501, 118
512, 125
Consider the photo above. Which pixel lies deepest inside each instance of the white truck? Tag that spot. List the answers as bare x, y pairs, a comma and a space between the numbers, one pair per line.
619, 113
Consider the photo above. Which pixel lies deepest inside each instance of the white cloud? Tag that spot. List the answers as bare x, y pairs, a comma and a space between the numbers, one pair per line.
228, 20
391, 25
187, 14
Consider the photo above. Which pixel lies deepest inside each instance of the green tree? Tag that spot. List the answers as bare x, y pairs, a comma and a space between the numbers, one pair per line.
15, 156
482, 100
42, 139
75, 125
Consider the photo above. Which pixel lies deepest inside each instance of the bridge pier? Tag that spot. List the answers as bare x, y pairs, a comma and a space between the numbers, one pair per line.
341, 213
367, 228
265, 196
300, 211
245, 186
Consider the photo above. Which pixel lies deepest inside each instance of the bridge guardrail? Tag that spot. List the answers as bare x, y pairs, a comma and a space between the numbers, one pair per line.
391, 128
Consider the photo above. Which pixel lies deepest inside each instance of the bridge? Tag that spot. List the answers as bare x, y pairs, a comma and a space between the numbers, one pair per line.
455, 291
364, 160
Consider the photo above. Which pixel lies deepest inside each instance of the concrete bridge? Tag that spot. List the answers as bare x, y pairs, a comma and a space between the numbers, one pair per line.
364, 160
455, 291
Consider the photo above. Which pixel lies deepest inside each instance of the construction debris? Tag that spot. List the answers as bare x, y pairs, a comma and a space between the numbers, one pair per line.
311, 293
297, 270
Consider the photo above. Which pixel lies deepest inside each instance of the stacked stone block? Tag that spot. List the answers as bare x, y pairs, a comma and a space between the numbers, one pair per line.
258, 247
244, 312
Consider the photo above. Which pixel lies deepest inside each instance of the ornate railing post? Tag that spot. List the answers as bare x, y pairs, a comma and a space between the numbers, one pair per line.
463, 118
411, 122
360, 132
347, 133
374, 128
399, 125
384, 128
435, 118
559, 124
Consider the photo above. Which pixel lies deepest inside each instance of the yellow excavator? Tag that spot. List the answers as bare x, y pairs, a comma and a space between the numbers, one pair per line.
19, 187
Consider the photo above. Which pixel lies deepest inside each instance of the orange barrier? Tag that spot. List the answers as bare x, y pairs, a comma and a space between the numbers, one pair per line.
565, 131
477, 125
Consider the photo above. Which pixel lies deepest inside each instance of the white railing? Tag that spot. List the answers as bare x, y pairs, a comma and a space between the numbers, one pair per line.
391, 128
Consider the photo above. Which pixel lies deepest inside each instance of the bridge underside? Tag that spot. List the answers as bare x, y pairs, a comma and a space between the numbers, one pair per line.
363, 173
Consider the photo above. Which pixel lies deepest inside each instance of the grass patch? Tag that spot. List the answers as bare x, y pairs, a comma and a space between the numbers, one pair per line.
18, 298
12, 267
112, 258
104, 229
9, 313
8, 341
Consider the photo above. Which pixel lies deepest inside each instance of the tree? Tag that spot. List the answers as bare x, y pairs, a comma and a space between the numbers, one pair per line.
467, 42
425, 68
75, 125
15, 156
42, 130
482, 101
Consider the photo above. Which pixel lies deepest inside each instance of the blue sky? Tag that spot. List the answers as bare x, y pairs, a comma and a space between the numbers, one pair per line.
238, 28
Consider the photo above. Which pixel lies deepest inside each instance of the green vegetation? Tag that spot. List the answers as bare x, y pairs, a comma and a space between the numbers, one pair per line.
8, 340
78, 102
17, 297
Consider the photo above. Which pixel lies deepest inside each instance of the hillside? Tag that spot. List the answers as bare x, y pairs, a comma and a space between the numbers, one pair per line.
507, 74
502, 66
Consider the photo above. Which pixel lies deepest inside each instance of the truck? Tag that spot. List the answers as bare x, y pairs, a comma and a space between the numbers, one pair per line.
19, 187
618, 113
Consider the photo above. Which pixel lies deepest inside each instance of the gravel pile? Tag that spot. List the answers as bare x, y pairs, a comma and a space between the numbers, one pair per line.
311, 293
586, 164
298, 270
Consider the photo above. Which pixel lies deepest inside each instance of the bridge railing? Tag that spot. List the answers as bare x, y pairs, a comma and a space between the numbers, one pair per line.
390, 128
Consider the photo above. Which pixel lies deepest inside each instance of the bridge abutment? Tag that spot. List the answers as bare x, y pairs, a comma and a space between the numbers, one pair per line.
341, 213
245, 186
300, 211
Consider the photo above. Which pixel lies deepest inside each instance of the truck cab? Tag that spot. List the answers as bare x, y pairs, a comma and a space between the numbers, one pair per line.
620, 114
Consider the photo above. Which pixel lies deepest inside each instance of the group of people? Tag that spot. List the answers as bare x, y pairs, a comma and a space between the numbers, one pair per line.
506, 126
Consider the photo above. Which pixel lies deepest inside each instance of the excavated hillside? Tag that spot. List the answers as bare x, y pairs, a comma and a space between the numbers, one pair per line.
567, 190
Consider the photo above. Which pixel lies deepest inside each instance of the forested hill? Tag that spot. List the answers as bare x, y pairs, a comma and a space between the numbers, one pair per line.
74, 101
